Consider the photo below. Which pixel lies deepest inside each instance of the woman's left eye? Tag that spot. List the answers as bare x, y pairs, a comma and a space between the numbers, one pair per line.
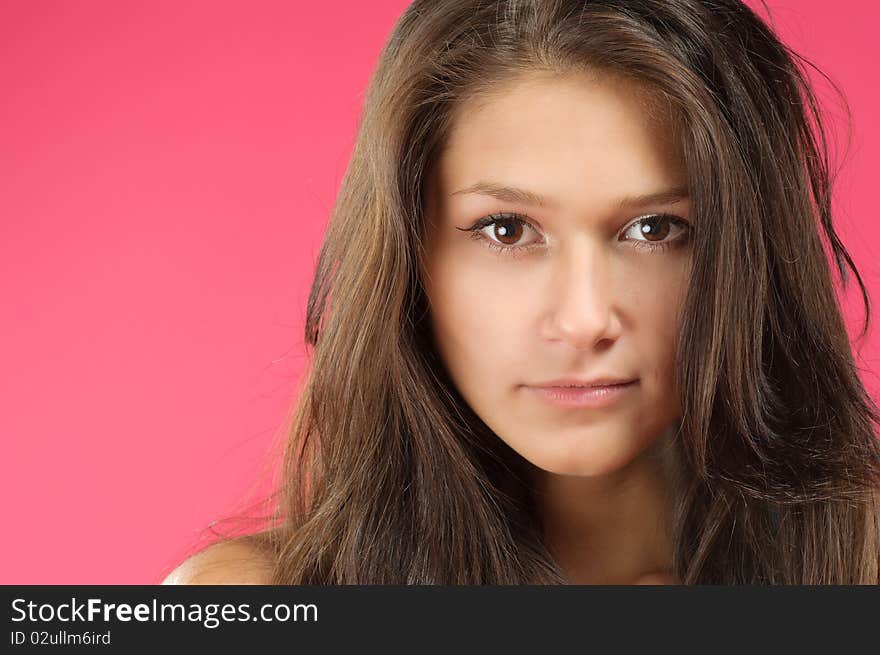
658, 226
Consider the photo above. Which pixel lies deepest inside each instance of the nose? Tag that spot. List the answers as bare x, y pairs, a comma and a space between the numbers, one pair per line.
580, 308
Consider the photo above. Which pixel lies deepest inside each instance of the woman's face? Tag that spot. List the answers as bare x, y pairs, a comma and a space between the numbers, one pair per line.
584, 283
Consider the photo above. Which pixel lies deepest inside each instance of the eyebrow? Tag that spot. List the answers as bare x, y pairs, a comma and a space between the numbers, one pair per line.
526, 197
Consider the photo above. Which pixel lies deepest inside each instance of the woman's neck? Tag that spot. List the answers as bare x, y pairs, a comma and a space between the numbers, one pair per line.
614, 528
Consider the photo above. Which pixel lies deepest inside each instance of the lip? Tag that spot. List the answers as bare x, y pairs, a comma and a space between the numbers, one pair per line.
602, 381
593, 397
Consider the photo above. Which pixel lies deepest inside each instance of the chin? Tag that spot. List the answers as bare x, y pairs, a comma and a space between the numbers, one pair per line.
586, 465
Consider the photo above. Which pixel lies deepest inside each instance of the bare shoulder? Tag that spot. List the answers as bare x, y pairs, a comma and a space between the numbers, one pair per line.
236, 562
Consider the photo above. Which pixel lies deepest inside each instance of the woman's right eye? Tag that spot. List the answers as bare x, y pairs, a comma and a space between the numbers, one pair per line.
502, 231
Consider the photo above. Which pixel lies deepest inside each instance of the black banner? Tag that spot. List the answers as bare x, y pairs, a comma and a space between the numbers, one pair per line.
133, 618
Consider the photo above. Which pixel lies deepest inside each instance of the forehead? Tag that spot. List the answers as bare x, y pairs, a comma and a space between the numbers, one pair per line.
584, 132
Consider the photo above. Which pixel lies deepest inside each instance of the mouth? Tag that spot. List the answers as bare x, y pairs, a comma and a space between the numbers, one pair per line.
577, 397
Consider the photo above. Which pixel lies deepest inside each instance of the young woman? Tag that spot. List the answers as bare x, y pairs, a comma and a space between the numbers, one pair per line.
574, 320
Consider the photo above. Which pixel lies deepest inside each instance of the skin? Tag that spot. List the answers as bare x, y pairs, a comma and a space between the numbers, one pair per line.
575, 296
236, 562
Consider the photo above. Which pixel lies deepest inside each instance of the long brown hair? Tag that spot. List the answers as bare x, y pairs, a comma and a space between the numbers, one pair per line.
389, 477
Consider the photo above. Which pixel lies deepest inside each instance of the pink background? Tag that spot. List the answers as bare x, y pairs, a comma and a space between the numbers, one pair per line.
167, 170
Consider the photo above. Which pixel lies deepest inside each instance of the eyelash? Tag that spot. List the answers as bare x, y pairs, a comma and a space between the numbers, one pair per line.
476, 231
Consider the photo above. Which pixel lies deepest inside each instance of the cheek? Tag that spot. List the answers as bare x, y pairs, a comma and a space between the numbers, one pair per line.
480, 318
656, 320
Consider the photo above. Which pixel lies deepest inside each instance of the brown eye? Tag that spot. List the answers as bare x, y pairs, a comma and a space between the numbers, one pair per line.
653, 232
506, 230
501, 230
655, 228
502, 233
